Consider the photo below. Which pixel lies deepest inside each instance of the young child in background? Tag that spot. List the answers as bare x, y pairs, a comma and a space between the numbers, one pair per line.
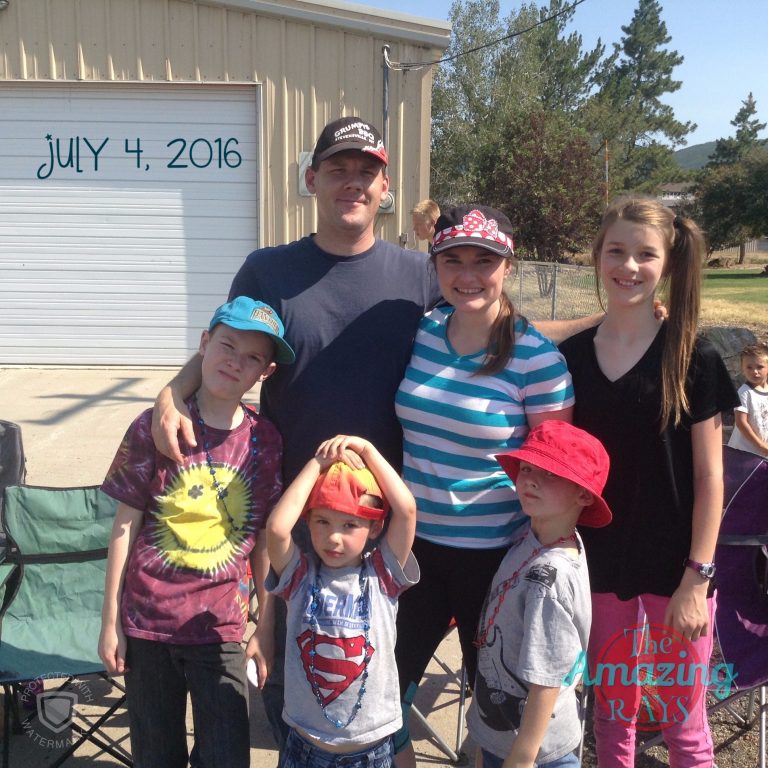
173, 619
341, 695
536, 618
424, 216
652, 392
750, 429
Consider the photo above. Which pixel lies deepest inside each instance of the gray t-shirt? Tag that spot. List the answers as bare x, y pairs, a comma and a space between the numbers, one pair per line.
340, 645
539, 634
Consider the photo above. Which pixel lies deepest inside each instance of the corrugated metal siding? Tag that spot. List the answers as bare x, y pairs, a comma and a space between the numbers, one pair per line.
110, 273
311, 73
121, 262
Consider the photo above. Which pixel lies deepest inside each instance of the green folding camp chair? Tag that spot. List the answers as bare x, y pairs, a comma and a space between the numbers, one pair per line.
51, 591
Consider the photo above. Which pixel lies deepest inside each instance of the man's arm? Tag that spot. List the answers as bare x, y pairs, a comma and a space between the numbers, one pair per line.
560, 330
170, 416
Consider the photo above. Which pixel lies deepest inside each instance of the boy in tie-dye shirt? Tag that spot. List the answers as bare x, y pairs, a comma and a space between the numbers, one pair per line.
173, 618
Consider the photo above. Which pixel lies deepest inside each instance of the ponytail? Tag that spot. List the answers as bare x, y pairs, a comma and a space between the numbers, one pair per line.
684, 264
685, 251
501, 339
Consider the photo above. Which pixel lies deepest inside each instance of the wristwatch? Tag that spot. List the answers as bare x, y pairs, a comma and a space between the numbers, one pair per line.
705, 570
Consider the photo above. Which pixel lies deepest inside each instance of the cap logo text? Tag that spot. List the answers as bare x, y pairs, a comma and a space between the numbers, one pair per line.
265, 317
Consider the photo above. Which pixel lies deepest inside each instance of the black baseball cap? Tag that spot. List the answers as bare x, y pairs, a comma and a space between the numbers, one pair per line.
478, 225
349, 133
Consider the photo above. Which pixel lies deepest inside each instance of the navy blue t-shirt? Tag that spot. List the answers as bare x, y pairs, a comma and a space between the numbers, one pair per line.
351, 321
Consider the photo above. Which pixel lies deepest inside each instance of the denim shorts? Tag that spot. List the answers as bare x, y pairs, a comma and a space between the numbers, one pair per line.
299, 753
566, 761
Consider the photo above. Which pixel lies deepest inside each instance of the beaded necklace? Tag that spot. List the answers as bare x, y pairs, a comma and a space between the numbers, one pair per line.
221, 491
313, 626
507, 584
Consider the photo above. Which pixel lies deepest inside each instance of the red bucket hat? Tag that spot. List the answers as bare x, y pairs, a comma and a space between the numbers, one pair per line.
569, 452
341, 488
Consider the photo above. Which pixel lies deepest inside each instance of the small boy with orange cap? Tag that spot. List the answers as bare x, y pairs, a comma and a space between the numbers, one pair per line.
341, 695
537, 615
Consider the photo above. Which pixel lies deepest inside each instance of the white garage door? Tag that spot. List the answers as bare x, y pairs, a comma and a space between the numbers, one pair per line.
125, 211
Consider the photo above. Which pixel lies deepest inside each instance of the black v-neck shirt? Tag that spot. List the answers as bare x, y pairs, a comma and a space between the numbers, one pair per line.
650, 485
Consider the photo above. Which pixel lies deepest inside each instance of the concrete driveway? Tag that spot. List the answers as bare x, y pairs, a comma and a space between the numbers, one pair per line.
72, 421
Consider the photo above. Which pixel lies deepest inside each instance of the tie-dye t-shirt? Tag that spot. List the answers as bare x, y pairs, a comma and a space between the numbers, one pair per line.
184, 569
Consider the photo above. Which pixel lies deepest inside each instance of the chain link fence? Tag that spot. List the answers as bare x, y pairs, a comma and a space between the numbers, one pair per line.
549, 291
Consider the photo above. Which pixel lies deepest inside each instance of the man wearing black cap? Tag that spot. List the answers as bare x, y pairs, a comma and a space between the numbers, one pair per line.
350, 304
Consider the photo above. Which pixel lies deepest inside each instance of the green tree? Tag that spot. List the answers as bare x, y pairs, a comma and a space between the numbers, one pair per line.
474, 94
462, 98
541, 173
732, 193
732, 202
564, 75
629, 112
733, 149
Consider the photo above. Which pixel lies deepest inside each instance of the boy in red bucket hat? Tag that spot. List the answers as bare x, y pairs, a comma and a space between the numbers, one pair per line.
341, 696
536, 618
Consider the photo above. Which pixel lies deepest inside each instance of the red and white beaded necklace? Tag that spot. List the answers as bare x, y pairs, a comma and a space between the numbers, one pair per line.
507, 584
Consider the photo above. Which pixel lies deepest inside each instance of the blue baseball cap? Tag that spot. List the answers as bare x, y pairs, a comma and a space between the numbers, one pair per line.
246, 314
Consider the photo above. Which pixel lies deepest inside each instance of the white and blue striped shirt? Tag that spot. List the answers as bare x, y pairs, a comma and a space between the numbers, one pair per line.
454, 423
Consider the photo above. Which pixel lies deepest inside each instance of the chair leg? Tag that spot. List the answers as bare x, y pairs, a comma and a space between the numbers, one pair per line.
462, 706
7, 704
87, 734
456, 758
763, 717
11, 719
583, 704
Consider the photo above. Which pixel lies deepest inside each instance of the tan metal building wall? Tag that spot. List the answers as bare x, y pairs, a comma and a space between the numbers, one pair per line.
315, 61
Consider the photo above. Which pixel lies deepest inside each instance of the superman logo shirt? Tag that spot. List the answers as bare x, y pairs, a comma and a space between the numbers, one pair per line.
330, 659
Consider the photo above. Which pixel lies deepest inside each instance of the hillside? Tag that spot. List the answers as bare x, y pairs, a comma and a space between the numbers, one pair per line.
695, 156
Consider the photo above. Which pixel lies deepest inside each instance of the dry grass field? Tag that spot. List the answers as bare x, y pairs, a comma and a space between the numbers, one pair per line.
734, 297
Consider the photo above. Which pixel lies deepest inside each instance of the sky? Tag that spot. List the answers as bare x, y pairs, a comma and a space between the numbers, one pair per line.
724, 45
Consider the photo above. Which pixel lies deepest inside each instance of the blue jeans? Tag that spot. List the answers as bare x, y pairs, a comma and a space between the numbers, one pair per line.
566, 761
299, 753
158, 679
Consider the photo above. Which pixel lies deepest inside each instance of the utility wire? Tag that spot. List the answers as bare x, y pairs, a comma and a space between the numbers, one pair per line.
413, 65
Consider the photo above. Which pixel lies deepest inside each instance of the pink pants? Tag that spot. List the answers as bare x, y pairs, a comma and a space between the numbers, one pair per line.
689, 742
